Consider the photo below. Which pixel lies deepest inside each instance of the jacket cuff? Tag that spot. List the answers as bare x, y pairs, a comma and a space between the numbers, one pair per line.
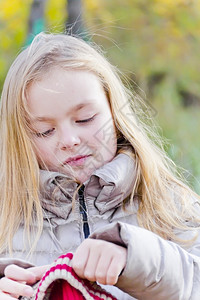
155, 268
109, 233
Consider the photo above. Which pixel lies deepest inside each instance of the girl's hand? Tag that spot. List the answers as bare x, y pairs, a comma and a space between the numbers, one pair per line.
98, 260
17, 281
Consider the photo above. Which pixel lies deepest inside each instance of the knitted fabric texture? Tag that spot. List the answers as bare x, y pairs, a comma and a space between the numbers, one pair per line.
60, 282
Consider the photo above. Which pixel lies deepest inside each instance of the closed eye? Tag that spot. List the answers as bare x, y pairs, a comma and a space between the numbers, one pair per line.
86, 120
45, 133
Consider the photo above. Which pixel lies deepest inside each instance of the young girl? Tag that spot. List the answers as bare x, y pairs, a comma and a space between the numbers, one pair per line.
78, 162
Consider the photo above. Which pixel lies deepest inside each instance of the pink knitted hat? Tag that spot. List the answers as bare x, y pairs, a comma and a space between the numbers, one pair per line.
60, 282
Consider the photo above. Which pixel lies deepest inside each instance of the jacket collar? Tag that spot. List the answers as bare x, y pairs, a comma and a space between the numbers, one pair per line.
106, 189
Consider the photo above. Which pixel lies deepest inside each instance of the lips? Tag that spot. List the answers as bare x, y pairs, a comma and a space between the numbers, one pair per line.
76, 160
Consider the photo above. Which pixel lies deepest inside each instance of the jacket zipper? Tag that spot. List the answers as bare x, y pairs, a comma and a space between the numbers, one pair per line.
83, 212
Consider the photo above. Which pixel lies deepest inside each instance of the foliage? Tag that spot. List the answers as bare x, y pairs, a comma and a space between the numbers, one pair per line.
180, 126
56, 15
14, 17
157, 36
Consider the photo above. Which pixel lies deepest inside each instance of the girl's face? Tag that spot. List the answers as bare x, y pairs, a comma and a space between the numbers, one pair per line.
73, 129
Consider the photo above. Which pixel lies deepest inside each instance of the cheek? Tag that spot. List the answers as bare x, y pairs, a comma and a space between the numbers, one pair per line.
105, 139
107, 133
42, 150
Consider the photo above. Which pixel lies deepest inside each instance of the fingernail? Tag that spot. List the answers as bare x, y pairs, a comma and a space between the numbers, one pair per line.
28, 291
32, 277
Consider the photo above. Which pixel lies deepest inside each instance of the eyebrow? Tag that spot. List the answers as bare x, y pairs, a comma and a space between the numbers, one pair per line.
78, 107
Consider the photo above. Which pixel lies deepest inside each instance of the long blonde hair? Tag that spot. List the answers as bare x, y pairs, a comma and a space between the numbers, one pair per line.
157, 184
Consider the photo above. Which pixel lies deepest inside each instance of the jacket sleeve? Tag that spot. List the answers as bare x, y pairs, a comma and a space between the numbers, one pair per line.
155, 268
4, 262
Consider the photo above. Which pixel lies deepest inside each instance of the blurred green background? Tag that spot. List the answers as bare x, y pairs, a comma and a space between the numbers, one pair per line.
155, 43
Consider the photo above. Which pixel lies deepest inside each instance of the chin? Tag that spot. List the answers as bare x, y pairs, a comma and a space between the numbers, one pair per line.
83, 178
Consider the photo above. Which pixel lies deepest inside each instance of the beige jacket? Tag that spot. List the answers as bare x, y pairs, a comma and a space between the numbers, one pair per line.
156, 269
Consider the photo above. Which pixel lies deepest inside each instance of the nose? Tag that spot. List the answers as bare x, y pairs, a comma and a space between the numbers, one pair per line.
69, 138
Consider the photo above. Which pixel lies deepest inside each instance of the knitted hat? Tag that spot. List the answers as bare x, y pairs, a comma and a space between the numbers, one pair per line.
60, 282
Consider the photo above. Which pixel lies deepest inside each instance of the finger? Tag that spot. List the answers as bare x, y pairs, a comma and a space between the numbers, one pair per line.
102, 268
14, 296
4, 296
38, 271
91, 265
17, 273
79, 260
116, 266
13, 287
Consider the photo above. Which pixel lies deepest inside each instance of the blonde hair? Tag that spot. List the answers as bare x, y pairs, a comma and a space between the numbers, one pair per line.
161, 206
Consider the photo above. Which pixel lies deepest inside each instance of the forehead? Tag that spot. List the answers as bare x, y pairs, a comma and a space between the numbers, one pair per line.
67, 90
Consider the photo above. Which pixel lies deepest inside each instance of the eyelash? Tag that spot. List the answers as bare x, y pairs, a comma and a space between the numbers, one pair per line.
50, 131
86, 120
46, 133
